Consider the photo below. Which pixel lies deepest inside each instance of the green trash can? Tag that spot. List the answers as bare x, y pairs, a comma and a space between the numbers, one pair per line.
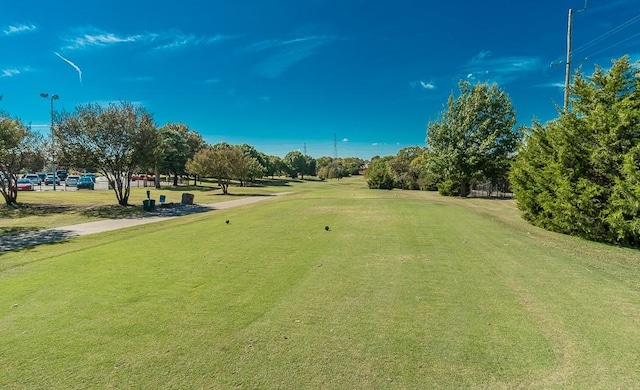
149, 204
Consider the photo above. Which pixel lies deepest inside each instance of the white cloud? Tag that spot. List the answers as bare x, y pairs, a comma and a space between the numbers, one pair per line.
19, 29
97, 38
283, 54
345, 140
423, 84
500, 69
178, 40
9, 72
428, 85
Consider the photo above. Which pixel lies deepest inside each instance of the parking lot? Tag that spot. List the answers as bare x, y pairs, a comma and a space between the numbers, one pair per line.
101, 183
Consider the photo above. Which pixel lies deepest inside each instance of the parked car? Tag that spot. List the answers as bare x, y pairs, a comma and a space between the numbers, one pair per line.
24, 185
93, 176
85, 182
33, 178
42, 176
72, 180
62, 174
141, 176
50, 178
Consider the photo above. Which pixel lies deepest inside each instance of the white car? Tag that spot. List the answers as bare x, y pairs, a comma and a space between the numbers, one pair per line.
33, 178
72, 180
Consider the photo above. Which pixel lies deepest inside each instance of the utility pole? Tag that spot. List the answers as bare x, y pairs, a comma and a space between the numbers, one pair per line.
567, 76
335, 146
53, 141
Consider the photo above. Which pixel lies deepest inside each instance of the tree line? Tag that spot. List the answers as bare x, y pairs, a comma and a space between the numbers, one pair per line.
121, 139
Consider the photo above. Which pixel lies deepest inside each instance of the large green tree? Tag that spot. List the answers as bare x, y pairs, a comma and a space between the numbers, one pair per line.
297, 164
19, 148
221, 161
578, 174
178, 144
378, 174
474, 136
116, 139
405, 169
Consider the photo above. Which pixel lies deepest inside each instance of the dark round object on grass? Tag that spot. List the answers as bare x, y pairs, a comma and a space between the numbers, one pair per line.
326, 228
227, 222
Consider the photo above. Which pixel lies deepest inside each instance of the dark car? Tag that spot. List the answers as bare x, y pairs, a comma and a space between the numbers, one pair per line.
93, 176
85, 182
62, 174
50, 178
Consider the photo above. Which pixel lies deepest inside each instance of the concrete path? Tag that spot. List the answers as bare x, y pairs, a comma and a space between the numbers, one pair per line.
45, 236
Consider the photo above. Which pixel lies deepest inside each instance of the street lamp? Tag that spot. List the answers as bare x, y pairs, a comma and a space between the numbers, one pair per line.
53, 150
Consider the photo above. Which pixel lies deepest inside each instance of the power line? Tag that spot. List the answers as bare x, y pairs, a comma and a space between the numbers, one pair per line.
615, 44
599, 39
608, 34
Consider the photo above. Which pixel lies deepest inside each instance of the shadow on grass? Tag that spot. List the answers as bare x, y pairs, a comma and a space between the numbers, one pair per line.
241, 195
23, 210
111, 211
33, 238
273, 183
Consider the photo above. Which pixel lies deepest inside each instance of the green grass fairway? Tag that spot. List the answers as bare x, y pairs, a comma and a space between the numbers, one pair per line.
408, 290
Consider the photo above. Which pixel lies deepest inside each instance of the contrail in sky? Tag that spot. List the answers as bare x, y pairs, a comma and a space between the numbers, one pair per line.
72, 64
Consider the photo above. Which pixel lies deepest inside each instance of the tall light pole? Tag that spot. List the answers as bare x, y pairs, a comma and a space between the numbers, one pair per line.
53, 141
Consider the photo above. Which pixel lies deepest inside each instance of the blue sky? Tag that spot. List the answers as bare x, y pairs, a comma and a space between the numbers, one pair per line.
287, 75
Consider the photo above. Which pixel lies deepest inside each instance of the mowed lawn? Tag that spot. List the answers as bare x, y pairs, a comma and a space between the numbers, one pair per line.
407, 290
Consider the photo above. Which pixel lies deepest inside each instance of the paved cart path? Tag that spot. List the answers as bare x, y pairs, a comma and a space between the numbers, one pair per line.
28, 239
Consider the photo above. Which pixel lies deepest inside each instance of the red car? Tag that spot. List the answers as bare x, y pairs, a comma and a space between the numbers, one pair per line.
24, 185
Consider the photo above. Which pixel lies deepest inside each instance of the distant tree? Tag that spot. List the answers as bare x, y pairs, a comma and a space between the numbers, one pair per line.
116, 139
353, 165
404, 170
378, 175
474, 136
254, 166
274, 166
310, 166
19, 148
177, 144
296, 164
222, 161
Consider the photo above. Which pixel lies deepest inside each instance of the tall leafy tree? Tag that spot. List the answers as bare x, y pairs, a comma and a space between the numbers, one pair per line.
222, 161
274, 165
403, 169
19, 148
474, 136
578, 174
378, 175
116, 139
296, 164
178, 144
